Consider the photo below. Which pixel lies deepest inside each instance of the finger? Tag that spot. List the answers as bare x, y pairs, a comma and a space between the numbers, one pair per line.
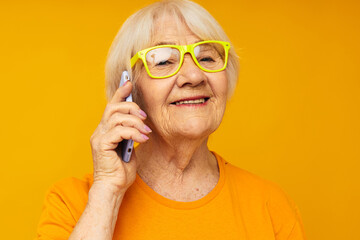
122, 92
119, 133
125, 108
127, 120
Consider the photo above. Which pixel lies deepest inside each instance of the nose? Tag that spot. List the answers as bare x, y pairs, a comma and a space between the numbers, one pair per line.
190, 74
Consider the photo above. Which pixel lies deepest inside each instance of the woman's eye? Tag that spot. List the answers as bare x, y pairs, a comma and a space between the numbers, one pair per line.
162, 63
207, 59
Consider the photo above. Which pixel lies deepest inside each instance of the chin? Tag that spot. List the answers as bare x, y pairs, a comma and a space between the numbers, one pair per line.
195, 130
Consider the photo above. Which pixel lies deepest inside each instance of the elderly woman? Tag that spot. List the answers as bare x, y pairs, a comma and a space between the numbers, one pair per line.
183, 70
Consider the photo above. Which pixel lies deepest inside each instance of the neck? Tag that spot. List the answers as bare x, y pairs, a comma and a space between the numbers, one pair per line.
177, 164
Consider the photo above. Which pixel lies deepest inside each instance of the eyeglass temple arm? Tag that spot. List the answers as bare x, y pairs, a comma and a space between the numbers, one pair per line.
134, 59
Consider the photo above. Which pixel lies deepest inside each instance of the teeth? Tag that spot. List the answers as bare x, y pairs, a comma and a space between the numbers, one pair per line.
197, 101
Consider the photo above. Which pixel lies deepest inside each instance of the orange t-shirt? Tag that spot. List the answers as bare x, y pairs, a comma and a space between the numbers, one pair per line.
241, 206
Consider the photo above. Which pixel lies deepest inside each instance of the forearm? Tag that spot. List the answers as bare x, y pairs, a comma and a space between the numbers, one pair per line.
100, 215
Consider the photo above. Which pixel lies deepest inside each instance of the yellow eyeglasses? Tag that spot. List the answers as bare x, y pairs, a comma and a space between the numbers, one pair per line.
165, 60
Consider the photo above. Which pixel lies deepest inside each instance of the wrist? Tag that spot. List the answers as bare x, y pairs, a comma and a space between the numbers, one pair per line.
114, 183
99, 218
104, 194
106, 189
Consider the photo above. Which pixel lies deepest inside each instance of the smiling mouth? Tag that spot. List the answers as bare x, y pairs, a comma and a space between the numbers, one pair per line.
191, 102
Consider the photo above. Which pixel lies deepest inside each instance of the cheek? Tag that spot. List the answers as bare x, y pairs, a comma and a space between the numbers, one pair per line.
138, 95
146, 103
143, 86
224, 85
220, 89
219, 86
151, 95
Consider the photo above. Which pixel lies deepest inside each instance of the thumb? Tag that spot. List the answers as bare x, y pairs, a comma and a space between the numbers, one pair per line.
122, 92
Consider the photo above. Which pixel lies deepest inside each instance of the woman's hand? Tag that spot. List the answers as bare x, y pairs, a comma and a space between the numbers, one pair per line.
112, 176
121, 120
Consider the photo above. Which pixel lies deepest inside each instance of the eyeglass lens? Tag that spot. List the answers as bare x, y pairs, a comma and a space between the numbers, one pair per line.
164, 61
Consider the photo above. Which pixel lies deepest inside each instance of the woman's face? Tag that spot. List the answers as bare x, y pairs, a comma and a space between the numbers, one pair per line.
158, 97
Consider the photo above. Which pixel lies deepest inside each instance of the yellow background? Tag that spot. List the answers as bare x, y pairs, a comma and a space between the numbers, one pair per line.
294, 118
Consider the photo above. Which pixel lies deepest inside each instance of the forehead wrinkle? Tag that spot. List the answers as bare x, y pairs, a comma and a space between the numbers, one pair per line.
173, 43
170, 29
167, 34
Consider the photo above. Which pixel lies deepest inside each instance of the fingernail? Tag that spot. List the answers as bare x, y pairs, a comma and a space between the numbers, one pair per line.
142, 113
145, 137
147, 129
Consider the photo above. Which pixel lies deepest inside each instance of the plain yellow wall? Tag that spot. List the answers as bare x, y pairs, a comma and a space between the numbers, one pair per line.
294, 118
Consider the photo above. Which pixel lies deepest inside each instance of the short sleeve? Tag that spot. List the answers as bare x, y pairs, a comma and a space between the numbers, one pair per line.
285, 216
56, 221
63, 205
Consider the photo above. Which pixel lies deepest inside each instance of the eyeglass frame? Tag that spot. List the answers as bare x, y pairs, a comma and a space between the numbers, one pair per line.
182, 49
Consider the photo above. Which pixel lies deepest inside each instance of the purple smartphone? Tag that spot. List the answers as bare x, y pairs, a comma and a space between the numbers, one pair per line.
126, 146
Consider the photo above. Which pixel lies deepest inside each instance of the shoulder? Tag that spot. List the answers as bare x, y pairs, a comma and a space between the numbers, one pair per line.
70, 193
247, 181
63, 205
256, 192
270, 192
273, 194
70, 184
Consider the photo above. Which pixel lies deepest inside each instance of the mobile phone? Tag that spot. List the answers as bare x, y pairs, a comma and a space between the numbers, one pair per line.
126, 146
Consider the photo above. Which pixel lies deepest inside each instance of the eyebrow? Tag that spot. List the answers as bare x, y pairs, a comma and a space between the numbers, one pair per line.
172, 43
165, 43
